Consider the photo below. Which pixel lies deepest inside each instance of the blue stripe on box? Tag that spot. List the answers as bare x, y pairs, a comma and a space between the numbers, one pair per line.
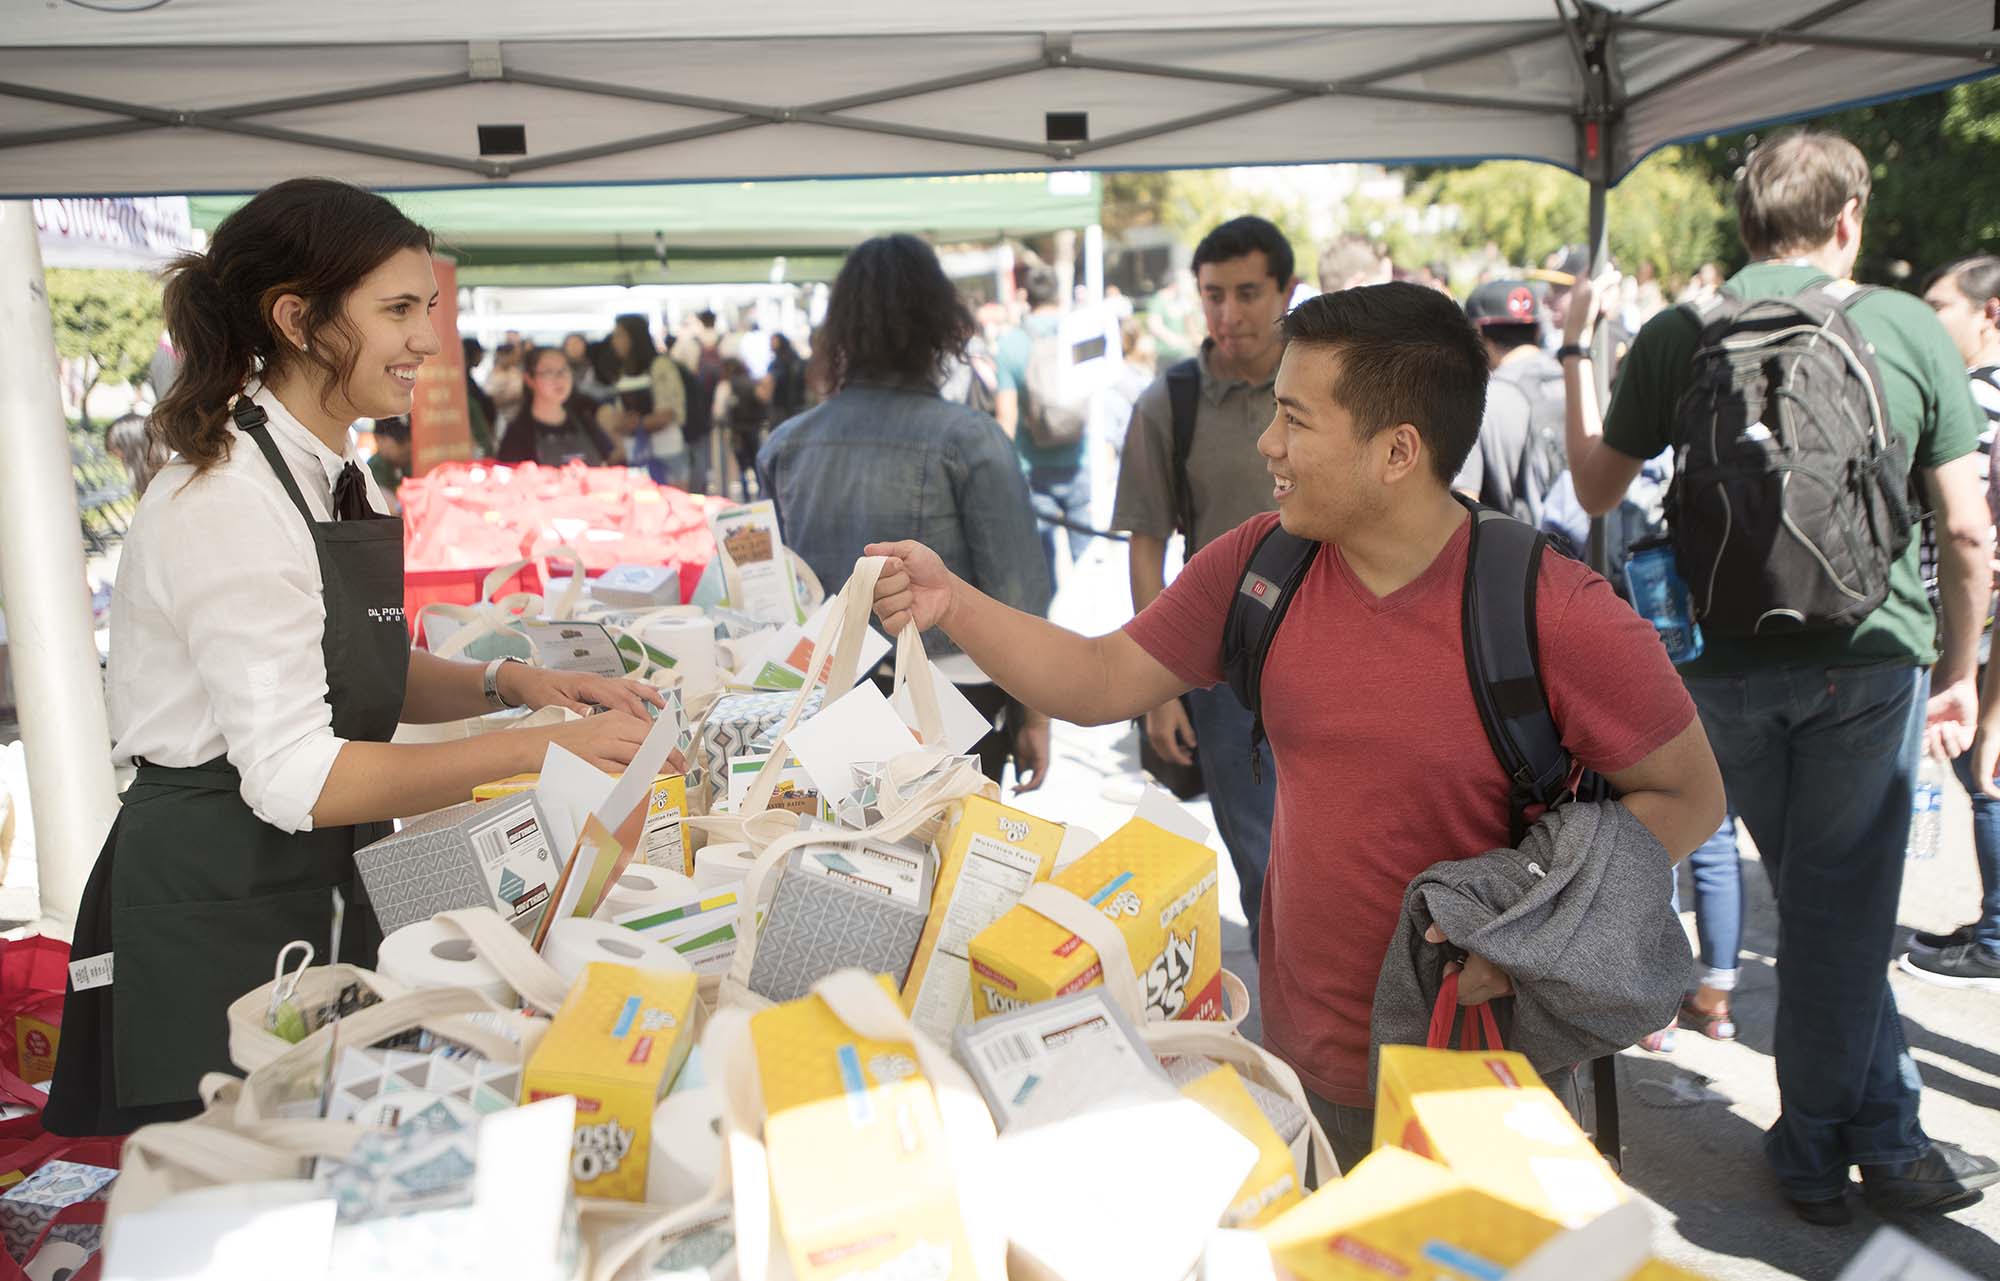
859, 1109
1470, 1264
1111, 887
625, 1017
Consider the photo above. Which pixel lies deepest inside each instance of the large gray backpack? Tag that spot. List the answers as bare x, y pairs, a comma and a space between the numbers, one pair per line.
1790, 497
1056, 407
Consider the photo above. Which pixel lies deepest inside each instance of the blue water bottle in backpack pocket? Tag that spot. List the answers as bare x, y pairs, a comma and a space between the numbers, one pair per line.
1653, 583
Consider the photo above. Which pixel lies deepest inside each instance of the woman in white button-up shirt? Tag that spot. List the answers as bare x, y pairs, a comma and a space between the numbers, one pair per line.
259, 658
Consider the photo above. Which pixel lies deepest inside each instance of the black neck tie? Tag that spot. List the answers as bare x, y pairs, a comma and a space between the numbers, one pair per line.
350, 496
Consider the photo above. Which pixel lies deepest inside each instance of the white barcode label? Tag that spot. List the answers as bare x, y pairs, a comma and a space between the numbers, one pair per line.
1004, 1052
90, 972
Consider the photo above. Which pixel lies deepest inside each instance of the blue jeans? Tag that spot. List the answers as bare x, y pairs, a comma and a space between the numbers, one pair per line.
1064, 492
1985, 848
1718, 904
1819, 762
1243, 804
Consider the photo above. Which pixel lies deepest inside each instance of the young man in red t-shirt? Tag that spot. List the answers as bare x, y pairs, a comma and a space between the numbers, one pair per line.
1383, 766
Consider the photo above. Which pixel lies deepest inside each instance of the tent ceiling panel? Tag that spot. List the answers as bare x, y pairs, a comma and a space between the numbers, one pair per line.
626, 91
396, 21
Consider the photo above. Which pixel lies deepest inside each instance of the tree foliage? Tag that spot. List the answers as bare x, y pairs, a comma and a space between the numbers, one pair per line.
108, 320
1190, 202
1669, 211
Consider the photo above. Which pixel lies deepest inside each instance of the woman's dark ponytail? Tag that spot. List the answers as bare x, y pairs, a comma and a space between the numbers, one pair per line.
218, 353
313, 237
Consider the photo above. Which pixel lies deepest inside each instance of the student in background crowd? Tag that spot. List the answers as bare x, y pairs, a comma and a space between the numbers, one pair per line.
1056, 472
1966, 298
886, 456
391, 460
651, 403
550, 430
131, 441
1819, 731
1245, 273
481, 415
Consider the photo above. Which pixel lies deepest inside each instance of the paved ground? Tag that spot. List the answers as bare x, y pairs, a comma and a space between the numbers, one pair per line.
1693, 1119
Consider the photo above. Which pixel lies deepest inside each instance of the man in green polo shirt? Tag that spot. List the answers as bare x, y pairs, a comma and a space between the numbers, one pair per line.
1818, 732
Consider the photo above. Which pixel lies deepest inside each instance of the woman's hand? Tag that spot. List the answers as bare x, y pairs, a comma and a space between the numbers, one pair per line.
608, 740
538, 687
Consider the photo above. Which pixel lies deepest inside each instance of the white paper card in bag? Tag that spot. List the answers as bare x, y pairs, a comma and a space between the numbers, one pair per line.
963, 724
227, 1233
1088, 1197
859, 726
570, 789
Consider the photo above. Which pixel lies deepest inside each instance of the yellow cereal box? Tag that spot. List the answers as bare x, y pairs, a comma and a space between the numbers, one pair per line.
1489, 1117
987, 856
1273, 1186
617, 1044
860, 1174
35, 1043
1398, 1215
1661, 1270
1157, 888
501, 788
664, 843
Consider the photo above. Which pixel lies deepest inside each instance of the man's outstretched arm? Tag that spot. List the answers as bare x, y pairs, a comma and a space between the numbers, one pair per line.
1081, 679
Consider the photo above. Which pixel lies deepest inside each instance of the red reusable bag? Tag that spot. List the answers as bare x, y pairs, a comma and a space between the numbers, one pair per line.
1477, 1028
33, 973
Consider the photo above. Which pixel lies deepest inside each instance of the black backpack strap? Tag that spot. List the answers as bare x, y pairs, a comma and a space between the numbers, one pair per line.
1503, 660
1183, 400
1277, 566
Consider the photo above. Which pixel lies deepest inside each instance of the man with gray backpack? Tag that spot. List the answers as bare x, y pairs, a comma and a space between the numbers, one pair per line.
1046, 410
1800, 406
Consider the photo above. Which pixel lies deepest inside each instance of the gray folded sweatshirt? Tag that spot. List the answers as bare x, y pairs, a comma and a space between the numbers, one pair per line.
1578, 919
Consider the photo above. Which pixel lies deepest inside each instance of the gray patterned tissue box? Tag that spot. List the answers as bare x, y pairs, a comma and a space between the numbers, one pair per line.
842, 906
735, 727
493, 854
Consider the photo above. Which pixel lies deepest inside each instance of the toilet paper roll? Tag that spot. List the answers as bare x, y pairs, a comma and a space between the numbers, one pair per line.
58, 1260
686, 1147
576, 941
429, 955
687, 635
642, 885
722, 866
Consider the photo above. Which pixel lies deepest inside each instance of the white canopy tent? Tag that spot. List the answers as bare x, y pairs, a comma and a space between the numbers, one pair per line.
128, 96
123, 97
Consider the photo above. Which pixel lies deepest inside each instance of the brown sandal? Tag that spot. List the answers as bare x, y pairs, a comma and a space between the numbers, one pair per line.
1716, 1026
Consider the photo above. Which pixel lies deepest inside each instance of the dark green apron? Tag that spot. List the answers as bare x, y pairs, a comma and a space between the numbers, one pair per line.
194, 895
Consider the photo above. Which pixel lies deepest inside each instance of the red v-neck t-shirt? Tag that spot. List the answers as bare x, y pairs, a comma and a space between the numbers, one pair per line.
1383, 766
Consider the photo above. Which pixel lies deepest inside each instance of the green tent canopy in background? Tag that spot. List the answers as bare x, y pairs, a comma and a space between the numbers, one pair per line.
718, 232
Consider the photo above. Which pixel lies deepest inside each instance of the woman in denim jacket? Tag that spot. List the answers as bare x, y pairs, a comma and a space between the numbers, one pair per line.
887, 458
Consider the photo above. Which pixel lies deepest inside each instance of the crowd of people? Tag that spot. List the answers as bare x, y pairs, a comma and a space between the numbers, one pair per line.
693, 413
1373, 423
1365, 418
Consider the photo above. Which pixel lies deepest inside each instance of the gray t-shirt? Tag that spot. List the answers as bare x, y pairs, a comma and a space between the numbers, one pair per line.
1226, 474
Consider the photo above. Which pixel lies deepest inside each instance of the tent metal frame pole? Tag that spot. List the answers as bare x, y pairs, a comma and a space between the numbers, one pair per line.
64, 728
1598, 119
222, 121
1723, 59
1363, 87
1765, 37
